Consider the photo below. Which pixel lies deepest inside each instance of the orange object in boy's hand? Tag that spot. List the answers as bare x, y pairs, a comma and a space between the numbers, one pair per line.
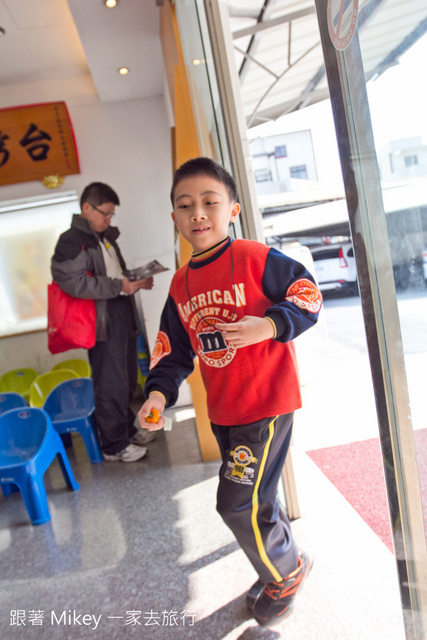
153, 416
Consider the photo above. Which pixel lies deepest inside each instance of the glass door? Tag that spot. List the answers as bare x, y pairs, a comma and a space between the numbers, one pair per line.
381, 133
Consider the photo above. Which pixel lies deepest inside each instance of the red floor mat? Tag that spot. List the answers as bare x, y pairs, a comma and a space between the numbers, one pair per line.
355, 469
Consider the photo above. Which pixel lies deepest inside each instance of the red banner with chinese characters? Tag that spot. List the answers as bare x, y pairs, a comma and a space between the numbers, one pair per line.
36, 141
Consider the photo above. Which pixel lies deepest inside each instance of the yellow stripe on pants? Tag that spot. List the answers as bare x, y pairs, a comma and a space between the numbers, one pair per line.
255, 502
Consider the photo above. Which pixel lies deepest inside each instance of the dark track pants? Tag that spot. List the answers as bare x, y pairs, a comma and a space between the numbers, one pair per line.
253, 457
115, 375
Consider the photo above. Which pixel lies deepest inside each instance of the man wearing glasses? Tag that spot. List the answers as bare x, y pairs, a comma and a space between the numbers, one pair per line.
87, 263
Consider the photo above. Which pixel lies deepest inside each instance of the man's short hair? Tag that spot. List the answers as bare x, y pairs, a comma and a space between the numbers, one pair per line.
97, 193
205, 167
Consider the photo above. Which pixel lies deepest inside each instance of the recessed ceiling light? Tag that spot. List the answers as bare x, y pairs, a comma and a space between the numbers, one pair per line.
123, 71
110, 3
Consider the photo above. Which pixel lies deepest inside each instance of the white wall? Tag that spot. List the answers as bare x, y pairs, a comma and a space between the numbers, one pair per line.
127, 145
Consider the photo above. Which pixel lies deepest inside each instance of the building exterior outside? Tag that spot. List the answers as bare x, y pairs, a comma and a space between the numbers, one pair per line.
403, 159
281, 161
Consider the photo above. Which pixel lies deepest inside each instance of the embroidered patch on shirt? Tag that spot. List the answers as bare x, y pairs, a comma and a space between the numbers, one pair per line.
161, 349
305, 295
211, 346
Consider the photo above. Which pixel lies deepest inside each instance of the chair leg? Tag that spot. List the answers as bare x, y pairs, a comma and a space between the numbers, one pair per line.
35, 499
67, 471
91, 441
65, 464
67, 440
8, 488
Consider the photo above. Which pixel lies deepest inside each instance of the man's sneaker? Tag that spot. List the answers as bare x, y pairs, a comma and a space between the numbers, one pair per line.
131, 453
277, 599
254, 593
142, 437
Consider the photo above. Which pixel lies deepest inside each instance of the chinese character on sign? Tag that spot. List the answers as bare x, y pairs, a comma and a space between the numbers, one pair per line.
33, 140
187, 615
4, 153
132, 618
17, 617
35, 617
152, 618
170, 618
36, 141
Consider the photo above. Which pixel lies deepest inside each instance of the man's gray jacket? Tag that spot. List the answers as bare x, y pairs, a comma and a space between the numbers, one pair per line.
78, 268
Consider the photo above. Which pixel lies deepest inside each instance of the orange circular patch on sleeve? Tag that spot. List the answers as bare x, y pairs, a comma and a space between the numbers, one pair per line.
161, 349
305, 295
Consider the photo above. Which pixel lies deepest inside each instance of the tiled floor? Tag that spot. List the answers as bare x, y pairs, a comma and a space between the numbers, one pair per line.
141, 552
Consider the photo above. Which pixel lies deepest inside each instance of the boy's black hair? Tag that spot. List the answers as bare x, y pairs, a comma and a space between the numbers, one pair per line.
205, 167
97, 193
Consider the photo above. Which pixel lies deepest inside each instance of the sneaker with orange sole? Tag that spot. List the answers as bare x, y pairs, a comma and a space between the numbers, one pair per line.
254, 593
277, 599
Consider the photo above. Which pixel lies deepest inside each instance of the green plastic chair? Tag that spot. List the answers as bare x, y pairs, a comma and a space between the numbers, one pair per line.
81, 367
43, 385
18, 381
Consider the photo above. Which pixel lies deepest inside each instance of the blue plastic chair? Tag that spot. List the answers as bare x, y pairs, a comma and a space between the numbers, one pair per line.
28, 446
71, 407
11, 400
143, 356
8, 401
143, 361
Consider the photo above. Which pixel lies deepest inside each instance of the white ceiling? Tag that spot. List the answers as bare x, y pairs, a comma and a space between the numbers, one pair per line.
56, 40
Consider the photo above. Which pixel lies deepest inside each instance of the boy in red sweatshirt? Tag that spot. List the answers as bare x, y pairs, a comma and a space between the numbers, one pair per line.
237, 305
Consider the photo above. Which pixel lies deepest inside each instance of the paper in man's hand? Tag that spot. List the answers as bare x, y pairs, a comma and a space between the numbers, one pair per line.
146, 270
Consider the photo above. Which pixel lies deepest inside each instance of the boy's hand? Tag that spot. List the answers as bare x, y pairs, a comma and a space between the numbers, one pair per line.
249, 330
154, 402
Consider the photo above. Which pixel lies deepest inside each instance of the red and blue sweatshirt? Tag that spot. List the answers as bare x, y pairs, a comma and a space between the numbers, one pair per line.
242, 278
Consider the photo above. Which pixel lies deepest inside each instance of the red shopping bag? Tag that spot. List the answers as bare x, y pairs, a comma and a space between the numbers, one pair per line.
71, 322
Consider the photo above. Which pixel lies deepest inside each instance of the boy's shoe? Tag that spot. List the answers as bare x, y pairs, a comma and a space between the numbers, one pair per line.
277, 599
142, 437
131, 453
254, 593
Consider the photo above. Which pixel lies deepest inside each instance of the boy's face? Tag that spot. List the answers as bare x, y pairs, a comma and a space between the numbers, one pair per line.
203, 210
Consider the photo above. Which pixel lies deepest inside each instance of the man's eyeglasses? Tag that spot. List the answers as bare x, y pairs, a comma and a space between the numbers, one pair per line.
106, 215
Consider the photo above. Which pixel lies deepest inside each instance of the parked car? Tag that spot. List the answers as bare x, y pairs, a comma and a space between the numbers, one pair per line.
335, 268
300, 253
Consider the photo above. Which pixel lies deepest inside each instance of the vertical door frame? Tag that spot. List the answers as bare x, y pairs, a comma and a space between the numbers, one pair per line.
361, 176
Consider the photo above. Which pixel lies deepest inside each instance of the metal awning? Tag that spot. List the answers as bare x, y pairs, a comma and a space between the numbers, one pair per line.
331, 218
279, 56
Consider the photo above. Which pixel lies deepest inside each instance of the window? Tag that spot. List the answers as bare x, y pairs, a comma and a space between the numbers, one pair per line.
299, 172
29, 230
281, 152
262, 175
410, 161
